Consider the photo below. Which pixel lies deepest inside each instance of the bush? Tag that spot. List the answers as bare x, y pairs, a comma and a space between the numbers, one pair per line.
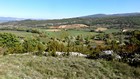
10, 43
33, 45
8, 40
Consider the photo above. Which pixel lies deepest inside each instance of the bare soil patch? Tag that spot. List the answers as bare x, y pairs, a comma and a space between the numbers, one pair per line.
69, 26
101, 29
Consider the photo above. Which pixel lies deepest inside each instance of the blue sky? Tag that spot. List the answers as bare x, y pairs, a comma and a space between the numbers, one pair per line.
54, 9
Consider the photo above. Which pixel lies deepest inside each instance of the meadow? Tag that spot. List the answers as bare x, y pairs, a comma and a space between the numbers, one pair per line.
36, 67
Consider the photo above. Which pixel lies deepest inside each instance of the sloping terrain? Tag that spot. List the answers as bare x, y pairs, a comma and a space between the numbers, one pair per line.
36, 67
69, 26
111, 15
128, 20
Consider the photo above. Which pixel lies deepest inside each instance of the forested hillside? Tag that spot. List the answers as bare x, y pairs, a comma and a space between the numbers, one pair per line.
128, 21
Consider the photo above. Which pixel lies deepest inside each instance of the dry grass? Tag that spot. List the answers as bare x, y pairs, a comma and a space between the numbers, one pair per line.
99, 42
101, 29
35, 67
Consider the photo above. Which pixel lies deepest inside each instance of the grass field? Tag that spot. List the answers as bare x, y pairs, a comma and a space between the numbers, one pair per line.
55, 34
112, 30
19, 33
58, 34
36, 67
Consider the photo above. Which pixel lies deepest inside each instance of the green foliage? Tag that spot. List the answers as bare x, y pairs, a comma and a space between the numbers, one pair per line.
33, 45
15, 50
53, 53
10, 43
34, 31
56, 46
135, 39
8, 40
30, 45
95, 52
40, 49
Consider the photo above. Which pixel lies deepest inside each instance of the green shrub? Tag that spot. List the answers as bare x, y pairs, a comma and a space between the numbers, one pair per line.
8, 40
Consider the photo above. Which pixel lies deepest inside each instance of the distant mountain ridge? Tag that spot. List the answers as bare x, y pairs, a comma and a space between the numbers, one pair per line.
128, 19
111, 15
6, 19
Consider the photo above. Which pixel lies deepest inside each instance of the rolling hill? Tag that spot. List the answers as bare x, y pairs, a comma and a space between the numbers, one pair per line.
111, 15
127, 19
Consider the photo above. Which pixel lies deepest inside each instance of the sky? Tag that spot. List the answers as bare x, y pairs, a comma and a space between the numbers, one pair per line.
57, 9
